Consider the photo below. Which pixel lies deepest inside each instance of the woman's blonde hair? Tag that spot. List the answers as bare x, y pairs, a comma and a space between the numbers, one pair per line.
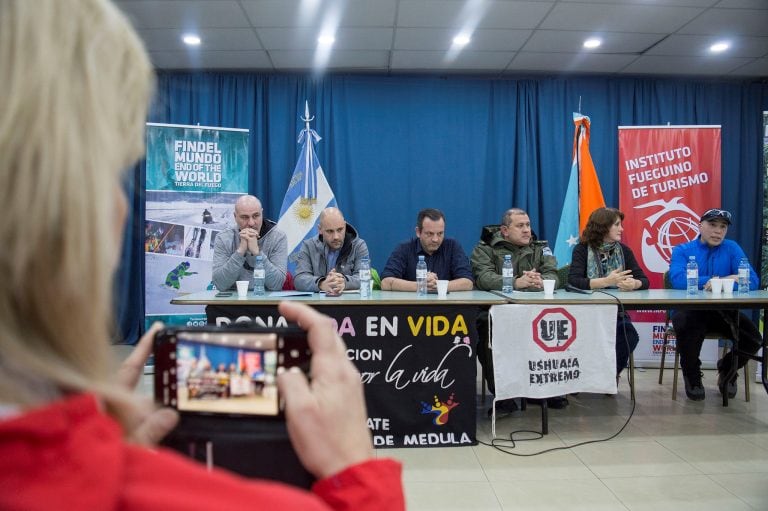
76, 86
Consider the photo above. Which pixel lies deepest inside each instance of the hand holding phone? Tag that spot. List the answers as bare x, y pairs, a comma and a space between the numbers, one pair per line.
332, 408
225, 370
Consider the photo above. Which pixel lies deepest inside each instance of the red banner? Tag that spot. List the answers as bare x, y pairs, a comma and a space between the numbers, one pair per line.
668, 176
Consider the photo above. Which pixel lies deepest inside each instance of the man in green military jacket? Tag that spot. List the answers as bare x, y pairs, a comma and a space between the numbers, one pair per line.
532, 261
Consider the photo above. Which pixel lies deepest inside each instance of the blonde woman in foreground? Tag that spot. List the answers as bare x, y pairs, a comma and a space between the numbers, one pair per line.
77, 83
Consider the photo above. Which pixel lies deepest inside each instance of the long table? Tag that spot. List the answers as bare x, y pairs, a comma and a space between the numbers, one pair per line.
657, 299
416, 355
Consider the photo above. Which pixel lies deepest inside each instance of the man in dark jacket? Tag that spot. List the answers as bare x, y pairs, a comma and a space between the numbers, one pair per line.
532, 261
330, 262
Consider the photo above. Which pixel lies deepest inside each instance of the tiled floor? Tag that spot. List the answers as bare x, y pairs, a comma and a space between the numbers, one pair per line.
673, 455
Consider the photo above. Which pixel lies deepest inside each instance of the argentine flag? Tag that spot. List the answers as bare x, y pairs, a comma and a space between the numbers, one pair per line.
308, 194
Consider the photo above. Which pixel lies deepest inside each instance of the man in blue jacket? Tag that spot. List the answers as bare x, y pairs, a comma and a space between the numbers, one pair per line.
716, 257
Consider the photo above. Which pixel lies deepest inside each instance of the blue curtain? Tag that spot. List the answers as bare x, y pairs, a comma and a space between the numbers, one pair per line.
470, 146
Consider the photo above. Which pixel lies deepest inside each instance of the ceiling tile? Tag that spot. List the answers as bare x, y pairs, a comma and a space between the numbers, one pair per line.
302, 13
669, 65
305, 38
545, 33
467, 60
569, 62
699, 45
743, 4
649, 19
211, 60
239, 39
186, 14
441, 39
571, 41
299, 59
758, 67
667, 3
471, 14
729, 22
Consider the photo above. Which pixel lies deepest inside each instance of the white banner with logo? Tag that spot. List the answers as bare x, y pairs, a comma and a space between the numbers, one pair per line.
544, 351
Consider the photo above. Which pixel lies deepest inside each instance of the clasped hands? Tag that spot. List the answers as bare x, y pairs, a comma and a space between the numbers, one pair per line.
249, 241
528, 279
622, 280
333, 283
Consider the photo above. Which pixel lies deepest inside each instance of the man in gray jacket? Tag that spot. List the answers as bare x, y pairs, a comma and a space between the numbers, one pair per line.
330, 262
235, 250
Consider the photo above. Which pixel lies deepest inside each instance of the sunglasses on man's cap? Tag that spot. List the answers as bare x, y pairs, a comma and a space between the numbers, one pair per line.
717, 214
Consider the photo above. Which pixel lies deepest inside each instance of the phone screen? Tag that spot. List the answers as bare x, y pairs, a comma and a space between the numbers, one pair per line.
226, 372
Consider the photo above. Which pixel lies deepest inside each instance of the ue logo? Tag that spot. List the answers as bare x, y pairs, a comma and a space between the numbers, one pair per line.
554, 329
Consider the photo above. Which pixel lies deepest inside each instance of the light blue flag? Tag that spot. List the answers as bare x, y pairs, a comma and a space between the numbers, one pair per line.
568, 229
307, 196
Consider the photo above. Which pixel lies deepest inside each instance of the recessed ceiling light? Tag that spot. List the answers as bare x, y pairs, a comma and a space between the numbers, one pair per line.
461, 40
326, 40
191, 39
592, 42
719, 46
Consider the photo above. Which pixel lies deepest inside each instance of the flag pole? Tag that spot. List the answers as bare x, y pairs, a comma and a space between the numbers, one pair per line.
308, 154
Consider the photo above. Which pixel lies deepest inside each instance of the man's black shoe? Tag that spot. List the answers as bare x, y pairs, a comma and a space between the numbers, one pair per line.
556, 403
724, 385
694, 389
503, 407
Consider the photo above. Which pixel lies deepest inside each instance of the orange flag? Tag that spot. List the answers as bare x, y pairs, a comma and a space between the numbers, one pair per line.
590, 193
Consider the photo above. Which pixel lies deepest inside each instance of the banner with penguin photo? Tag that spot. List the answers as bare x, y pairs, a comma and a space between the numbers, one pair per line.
194, 175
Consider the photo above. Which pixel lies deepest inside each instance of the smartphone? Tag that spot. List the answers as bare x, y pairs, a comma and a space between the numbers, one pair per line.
222, 294
226, 370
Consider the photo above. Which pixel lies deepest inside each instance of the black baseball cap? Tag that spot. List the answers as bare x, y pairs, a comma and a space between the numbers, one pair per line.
717, 214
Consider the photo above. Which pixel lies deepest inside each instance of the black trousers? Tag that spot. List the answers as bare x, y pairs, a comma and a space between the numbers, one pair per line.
627, 340
691, 326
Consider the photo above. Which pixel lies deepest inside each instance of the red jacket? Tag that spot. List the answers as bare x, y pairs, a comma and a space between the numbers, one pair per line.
69, 455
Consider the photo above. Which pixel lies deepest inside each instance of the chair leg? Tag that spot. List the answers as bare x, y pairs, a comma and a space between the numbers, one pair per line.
746, 382
632, 376
674, 378
746, 374
663, 355
482, 383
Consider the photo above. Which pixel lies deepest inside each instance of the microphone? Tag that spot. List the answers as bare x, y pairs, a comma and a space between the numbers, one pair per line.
574, 289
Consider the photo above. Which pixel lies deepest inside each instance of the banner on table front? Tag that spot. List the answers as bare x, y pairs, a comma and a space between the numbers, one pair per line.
194, 174
668, 176
545, 351
418, 366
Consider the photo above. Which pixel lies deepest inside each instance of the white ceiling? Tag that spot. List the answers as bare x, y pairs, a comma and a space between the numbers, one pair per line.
660, 37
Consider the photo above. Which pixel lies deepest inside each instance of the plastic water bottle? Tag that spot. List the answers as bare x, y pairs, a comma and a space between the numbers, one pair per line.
743, 276
259, 274
692, 275
507, 275
421, 277
365, 278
